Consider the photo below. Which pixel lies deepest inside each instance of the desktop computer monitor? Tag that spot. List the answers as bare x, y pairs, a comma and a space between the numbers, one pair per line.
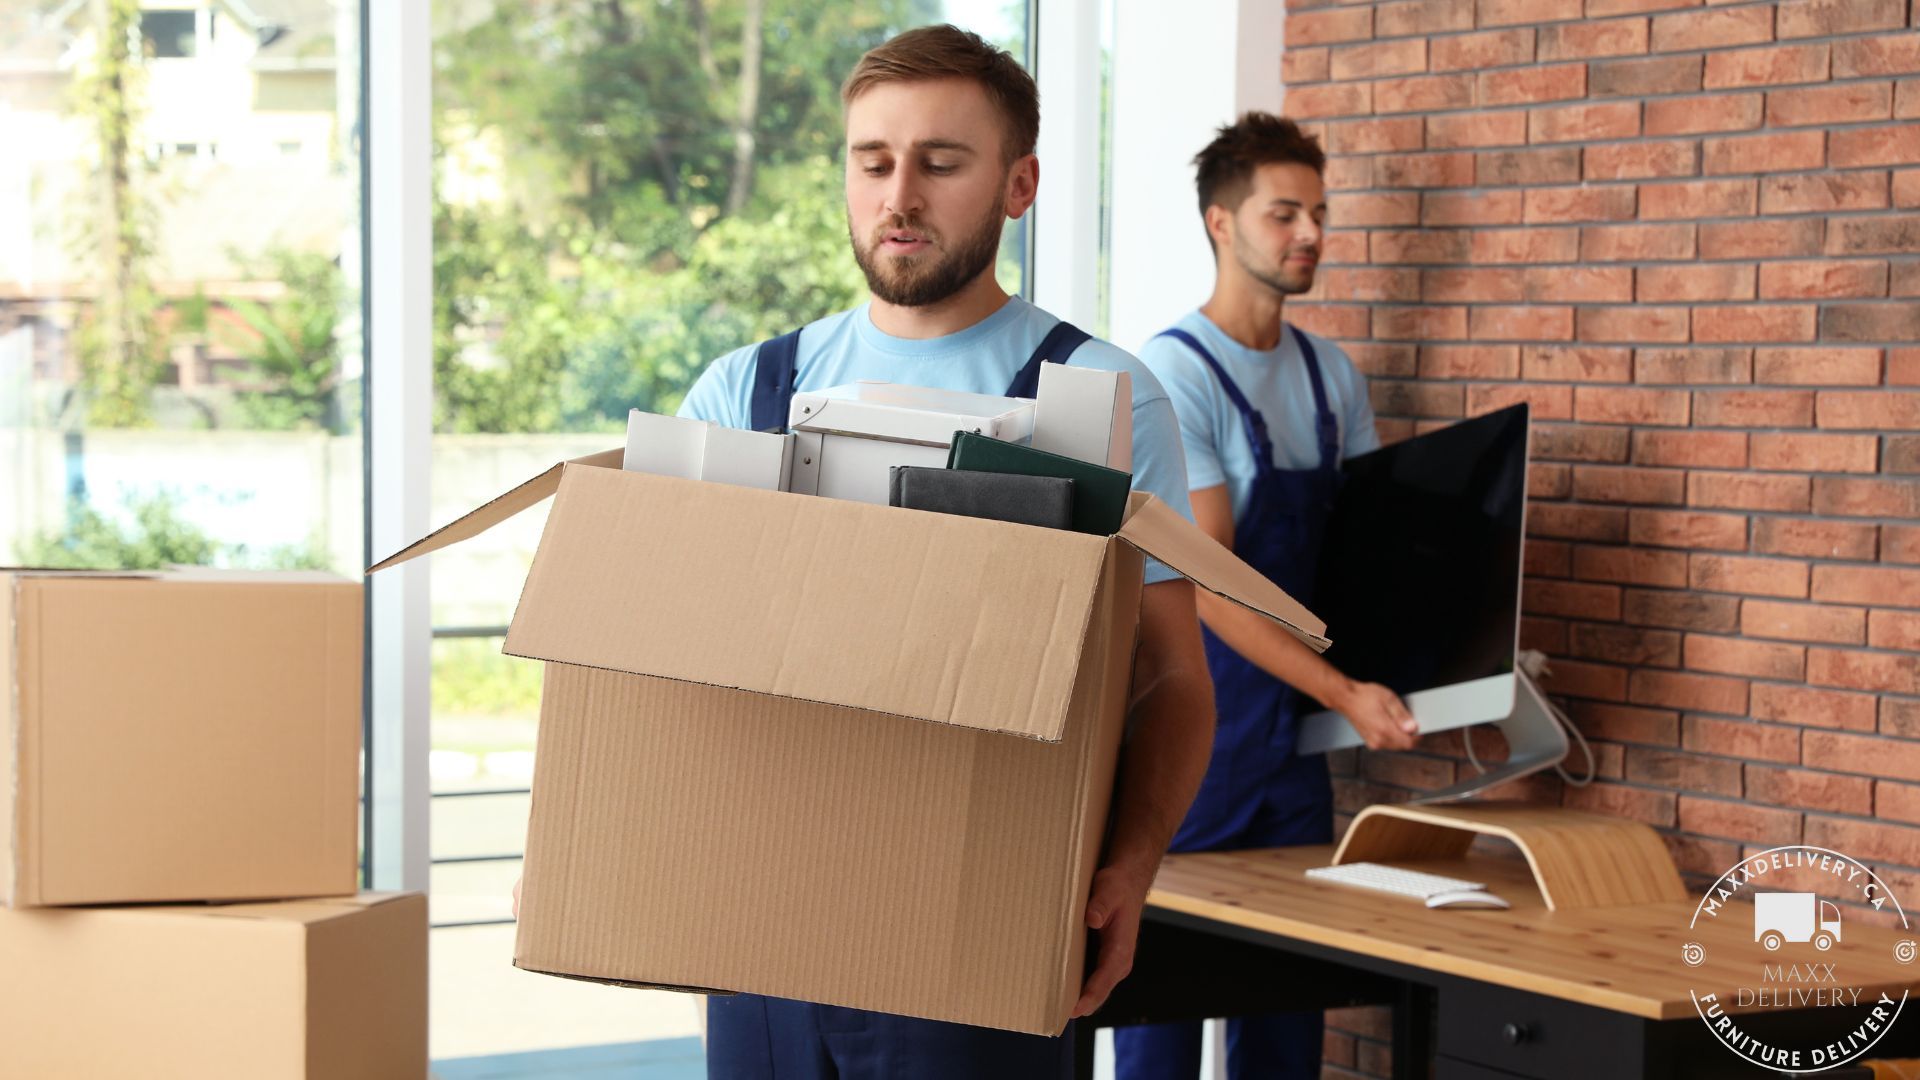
1419, 578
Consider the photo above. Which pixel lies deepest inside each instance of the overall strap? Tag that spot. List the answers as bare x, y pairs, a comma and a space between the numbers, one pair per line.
773, 378
1055, 348
1254, 424
1326, 428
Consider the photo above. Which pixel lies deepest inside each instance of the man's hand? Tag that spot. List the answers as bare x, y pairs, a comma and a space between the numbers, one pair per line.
1119, 896
516, 897
1378, 714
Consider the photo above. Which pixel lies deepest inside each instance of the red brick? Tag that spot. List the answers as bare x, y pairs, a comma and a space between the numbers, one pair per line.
1697, 199
1368, 284
1890, 673
1668, 528
1902, 453
1688, 772
1477, 130
1748, 576
1578, 41
1547, 635
1847, 103
1680, 610
1545, 481
1420, 323
1804, 622
1694, 115
1510, 12
1630, 566
1809, 790
1546, 165
1853, 496
1376, 136
1630, 645
1747, 491
1739, 821
1841, 751
1579, 442
1814, 539
1389, 208
1904, 280
1893, 54
1896, 234
1682, 690
1637, 243
1572, 599
1865, 838
1896, 802
1820, 708
1627, 723
1524, 245
1737, 656
1470, 208
1474, 52
1896, 321
1754, 322
1712, 29
1794, 452
1633, 324
1655, 808
1640, 77
1826, 366
1577, 522
1552, 363
1896, 144
1469, 362
1869, 409
1469, 285
1346, 174
1825, 18
1617, 484
1691, 367
1820, 193
1760, 239
1580, 284
1416, 399
1423, 170
1532, 85
1775, 65
1520, 324
1753, 408
1704, 449
1375, 59
1642, 159
1329, 320
1544, 403
1891, 630
1906, 99
1742, 739
1583, 123
1694, 282
1597, 9
1421, 17
1329, 99
1344, 245
1635, 405
1552, 205
1422, 93
1785, 151
1321, 27
1898, 717
1303, 65
1876, 585
1900, 544
1417, 245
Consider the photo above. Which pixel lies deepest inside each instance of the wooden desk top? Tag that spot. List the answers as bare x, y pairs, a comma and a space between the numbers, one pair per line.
1627, 959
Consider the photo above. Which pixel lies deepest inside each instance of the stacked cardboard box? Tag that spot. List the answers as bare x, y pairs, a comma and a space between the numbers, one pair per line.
179, 752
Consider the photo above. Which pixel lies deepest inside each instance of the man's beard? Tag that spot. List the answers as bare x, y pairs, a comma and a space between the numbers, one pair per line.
1278, 277
925, 280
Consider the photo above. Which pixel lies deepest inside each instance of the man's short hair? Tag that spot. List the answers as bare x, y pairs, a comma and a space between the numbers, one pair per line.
1223, 171
948, 52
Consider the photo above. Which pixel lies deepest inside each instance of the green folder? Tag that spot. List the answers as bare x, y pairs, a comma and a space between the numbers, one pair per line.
1099, 493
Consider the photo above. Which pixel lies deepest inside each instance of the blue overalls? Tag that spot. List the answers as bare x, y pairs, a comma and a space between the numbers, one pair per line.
751, 1037
1257, 792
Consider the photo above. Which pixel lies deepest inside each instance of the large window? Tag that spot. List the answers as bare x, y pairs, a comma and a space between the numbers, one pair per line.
179, 297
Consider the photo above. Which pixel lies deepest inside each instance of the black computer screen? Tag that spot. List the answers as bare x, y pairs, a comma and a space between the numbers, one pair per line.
1419, 578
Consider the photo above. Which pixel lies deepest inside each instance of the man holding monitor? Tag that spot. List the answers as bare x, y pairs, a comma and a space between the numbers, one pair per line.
1267, 412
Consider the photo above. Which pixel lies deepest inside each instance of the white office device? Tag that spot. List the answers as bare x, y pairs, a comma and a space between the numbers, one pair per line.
848, 438
698, 450
1085, 413
1392, 879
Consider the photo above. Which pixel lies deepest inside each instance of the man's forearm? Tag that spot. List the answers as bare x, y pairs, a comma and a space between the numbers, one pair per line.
1270, 648
1161, 767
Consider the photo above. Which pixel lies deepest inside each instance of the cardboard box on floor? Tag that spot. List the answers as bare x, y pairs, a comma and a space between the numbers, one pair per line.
332, 989
827, 750
191, 735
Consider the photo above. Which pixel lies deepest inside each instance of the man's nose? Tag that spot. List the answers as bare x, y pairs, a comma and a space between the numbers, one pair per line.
903, 193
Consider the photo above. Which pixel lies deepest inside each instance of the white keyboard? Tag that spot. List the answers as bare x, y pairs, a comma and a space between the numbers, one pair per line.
1391, 879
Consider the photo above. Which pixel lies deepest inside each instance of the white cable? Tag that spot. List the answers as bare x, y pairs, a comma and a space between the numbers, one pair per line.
1532, 666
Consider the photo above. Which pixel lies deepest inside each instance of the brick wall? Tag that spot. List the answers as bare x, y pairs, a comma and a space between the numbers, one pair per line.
1688, 235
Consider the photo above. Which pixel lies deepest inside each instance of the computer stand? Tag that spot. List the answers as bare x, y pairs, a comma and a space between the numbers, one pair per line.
1535, 741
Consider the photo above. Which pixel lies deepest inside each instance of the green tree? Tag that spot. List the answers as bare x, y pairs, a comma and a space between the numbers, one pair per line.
292, 345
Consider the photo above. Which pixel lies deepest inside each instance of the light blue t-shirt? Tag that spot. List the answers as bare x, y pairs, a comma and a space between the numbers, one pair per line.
982, 359
1275, 382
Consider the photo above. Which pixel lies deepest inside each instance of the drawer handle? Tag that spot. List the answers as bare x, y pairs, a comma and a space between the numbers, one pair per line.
1515, 1034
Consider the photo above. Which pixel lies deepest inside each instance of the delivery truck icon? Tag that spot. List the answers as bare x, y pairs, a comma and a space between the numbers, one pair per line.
1789, 916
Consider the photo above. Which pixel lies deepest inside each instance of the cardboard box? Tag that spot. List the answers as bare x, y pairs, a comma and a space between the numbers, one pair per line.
699, 450
825, 750
192, 735
849, 438
1085, 413
301, 990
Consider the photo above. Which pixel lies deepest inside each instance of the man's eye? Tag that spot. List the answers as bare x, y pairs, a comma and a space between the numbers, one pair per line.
874, 170
939, 169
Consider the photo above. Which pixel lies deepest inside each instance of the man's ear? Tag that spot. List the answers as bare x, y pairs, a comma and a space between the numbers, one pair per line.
1219, 225
1023, 185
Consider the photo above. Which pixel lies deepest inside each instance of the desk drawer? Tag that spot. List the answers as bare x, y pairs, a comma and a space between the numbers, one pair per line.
1531, 1035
